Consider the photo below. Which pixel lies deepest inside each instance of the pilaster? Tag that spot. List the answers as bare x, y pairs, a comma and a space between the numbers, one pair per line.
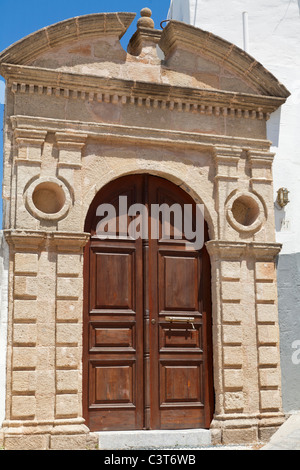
261, 183
70, 152
226, 182
28, 148
45, 341
246, 341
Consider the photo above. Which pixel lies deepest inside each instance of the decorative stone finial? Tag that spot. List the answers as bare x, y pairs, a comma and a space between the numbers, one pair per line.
146, 21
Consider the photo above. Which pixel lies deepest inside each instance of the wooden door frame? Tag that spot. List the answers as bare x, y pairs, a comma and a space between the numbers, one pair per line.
207, 305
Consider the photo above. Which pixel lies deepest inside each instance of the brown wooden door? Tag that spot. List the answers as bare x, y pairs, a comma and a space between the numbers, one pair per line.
142, 369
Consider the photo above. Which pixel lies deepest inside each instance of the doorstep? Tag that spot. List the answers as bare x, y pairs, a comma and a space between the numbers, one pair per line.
130, 440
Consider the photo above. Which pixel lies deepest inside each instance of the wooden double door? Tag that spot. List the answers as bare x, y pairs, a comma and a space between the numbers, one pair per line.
147, 320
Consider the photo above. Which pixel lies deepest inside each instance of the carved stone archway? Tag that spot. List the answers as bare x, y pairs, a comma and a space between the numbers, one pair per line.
80, 112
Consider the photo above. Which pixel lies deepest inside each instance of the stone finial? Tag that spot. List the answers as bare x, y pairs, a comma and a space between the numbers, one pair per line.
146, 21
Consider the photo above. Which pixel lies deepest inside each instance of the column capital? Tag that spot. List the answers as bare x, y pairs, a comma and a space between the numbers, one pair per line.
30, 143
71, 139
228, 153
260, 157
29, 136
240, 250
226, 162
261, 166
28, 240
70, 145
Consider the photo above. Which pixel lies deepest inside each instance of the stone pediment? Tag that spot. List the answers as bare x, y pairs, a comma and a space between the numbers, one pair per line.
194, 59
72, 32
215, 60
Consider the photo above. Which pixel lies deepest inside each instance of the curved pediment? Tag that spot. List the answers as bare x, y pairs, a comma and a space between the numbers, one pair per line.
71, 31
195, 50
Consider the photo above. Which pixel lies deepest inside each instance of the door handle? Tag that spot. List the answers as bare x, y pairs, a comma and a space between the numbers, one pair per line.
181, 320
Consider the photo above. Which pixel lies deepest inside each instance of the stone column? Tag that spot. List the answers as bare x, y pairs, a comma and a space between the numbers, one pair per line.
44, 391
70, 146
246, 360
28, 160
69, 431
267, 325
261, 182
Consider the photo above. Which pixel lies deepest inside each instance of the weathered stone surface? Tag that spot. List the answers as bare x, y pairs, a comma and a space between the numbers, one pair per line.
32, 442
26, 263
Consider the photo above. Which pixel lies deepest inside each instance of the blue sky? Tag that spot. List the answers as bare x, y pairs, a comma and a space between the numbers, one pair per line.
20, 18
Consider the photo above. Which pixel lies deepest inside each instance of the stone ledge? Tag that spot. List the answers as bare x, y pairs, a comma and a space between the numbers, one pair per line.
154, 137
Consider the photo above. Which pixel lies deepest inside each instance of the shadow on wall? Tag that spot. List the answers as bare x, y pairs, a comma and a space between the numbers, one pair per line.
299, 6
273, 127
279, 218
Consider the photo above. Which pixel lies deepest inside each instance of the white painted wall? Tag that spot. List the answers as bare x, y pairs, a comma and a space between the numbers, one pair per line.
274, 40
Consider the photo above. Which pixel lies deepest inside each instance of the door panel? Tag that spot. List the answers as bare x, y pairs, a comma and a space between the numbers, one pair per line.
113, 384
177, 296
180, 383
114, 280
177, 336
108, 336
147, 325
178, 281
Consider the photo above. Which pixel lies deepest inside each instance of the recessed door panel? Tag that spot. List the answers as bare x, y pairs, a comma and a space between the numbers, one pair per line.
112, 385
174, 336
181, 384
110, 337
178, 282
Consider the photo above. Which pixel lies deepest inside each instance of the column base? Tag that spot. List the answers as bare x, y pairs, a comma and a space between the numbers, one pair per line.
245, 429
57, 435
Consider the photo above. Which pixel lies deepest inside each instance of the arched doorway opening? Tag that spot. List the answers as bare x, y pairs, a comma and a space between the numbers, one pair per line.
147, 342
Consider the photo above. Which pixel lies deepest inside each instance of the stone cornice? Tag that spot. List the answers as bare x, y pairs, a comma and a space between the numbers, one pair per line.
223, 249
56, 35
180, 35
41, 81
26, 240
146, 136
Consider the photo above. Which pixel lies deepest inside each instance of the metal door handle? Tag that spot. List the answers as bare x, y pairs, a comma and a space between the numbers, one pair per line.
181, 320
